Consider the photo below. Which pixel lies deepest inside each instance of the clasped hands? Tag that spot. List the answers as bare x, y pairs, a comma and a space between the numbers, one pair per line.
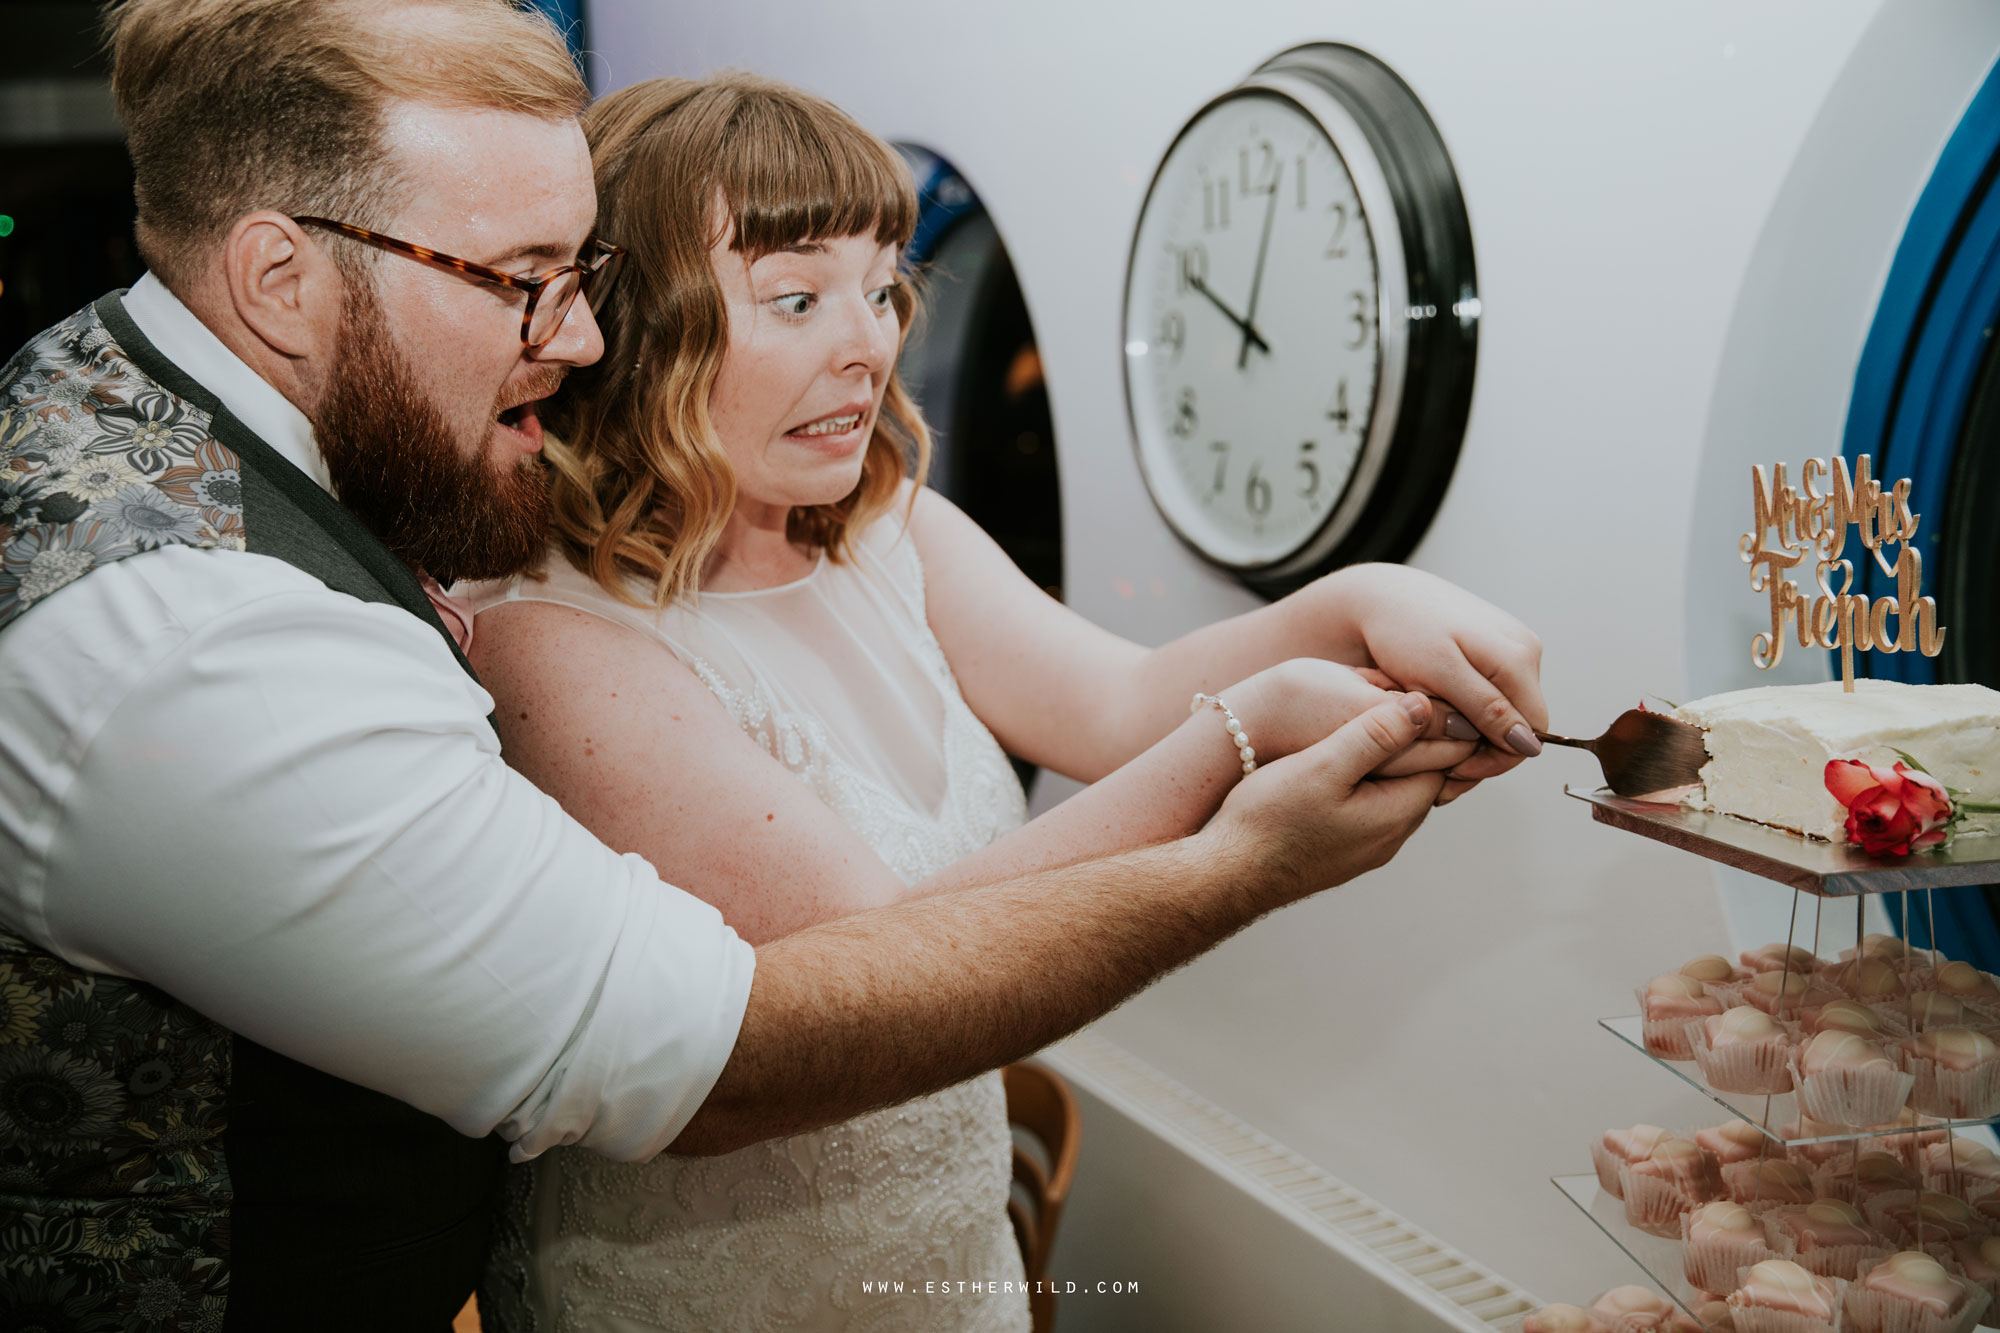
1396, 629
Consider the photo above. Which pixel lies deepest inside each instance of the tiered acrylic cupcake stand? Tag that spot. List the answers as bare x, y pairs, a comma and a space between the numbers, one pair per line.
1824, 870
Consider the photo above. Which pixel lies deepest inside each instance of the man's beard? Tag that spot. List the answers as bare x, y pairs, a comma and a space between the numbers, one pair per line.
398, 466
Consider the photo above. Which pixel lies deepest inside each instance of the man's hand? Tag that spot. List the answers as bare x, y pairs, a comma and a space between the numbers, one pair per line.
1298, 703
1318, 818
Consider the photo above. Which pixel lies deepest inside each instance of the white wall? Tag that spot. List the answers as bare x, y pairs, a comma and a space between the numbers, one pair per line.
1428, 1033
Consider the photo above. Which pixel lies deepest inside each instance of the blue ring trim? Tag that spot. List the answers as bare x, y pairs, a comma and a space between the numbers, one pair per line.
1911, 389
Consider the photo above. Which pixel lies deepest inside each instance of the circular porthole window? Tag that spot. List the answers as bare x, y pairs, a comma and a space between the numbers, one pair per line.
973, 365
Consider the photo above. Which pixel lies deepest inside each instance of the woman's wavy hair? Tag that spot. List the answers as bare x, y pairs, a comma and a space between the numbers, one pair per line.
640, 485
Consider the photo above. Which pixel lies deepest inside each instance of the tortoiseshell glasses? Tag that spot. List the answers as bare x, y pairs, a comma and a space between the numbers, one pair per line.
550, 295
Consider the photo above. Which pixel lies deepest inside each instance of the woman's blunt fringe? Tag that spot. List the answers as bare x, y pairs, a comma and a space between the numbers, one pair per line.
641, 487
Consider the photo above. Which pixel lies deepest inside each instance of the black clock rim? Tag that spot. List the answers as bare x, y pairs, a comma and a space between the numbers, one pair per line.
1440, 349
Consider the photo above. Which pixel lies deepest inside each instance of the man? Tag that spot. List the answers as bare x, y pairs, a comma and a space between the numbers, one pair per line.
288, 956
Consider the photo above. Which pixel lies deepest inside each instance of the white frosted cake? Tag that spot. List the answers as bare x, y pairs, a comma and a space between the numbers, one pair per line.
1768, 748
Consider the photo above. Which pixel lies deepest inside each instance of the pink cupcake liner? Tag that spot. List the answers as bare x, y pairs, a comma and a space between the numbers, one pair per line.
1711, 1265
1816, 1155
1961, 1185
1953, 1094
1856, 1098
1664, 1037
1607, 1164
1841, 1261
1877, 1210
1739, 1183
1654, 1205
1754, 1319
1762, 1066
1877, 1312
1948, 1256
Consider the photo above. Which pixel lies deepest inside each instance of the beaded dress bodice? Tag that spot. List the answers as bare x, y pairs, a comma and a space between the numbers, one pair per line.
839, 677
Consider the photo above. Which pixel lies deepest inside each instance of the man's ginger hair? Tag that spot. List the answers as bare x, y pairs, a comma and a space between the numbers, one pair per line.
231, 106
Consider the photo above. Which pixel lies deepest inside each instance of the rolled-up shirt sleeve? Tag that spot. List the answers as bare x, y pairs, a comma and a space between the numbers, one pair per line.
292, 814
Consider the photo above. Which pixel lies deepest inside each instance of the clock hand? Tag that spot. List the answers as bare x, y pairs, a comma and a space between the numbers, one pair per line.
1257, 274
1250, 333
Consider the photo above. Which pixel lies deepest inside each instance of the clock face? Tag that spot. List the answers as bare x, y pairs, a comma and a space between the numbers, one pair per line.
1253, 338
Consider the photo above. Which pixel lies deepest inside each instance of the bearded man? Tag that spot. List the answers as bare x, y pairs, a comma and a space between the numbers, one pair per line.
289, 958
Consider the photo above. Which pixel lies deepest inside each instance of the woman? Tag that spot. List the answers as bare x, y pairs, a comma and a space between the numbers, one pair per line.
760, 656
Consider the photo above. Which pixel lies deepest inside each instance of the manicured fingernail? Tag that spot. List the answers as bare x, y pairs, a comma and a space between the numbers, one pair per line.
1418, 707
1458, 727
1522, 741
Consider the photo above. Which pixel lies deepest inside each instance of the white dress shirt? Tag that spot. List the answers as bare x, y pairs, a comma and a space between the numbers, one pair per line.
285, 807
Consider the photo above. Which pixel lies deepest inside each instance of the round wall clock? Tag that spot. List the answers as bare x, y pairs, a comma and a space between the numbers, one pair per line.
1301, 320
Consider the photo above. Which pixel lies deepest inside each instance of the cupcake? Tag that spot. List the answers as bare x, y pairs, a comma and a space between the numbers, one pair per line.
1713, 969
1969, 1169
1957, 1072
1816, 1154
1780, 958
1872, 980
1848, 1016
1871, 1172
1717, 1239
1676, 1178
1826, 1237
1565, 1319
1742, 1050
1620, 1146
1666, 1005
1887, 947
1978, 1257
1934, 1009
1786, 994
1778, 1296
1737, 1141
1848, 1080
1634, 1309
1711, 1316
1911, 1293
1963, 981
1912, 1138
1769, 1182
1927, 1218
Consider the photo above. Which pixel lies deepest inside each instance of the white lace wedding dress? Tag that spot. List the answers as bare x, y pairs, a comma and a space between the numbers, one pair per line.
839, 677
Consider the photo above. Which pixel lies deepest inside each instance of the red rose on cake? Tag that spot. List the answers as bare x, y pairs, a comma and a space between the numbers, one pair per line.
1892, 811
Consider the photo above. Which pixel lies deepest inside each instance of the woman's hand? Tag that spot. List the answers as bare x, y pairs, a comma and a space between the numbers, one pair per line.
1429, 636
1297, 703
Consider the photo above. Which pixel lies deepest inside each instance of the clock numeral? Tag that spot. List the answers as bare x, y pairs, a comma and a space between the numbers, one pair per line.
1192, 269
1221, 452
1337, 247
1358, 317
1214, 204
1310, 468
1338, 413
1185, 417
1257, 493
1267, 170
1300, 175
1173, 332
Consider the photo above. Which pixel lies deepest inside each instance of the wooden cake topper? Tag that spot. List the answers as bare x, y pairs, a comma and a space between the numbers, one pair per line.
1788, 527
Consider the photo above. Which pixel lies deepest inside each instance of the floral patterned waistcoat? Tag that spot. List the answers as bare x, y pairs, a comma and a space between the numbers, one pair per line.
157, 1171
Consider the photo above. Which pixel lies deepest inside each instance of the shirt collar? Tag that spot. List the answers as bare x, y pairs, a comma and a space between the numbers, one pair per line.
183, 339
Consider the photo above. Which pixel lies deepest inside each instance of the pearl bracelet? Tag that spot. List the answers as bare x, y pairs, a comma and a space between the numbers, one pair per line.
1237, 736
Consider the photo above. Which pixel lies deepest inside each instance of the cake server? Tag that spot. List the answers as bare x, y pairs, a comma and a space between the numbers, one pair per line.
1644, 752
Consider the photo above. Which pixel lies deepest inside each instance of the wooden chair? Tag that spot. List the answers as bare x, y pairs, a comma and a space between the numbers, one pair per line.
1041, 1109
